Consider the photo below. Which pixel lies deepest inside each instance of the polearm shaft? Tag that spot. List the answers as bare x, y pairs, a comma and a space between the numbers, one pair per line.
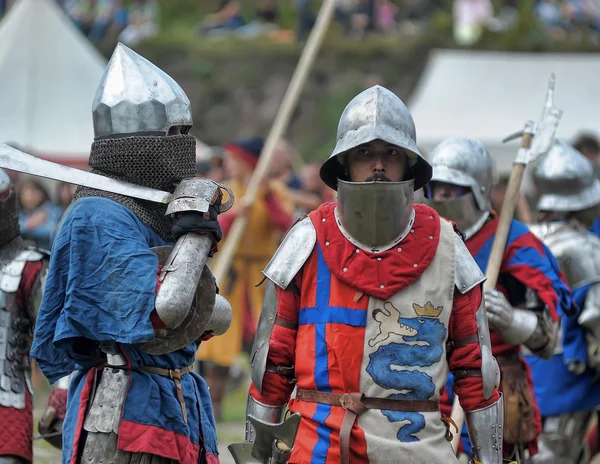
282, 119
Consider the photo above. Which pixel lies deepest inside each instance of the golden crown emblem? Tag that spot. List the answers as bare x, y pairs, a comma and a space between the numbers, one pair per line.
428, 310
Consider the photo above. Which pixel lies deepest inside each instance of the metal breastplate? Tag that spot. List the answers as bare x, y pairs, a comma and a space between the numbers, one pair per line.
16, 333
576, 250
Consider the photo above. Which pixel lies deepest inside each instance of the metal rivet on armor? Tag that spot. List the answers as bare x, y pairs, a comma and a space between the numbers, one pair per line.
414, 265
357, 250
430, 217
382, 286
399, 250
326, 243
378, 259
345, 269
412, 231
323, 220
431, 237
464, 286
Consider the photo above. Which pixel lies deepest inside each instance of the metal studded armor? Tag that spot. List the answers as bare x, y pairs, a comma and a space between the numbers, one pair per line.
21, 289
16, 332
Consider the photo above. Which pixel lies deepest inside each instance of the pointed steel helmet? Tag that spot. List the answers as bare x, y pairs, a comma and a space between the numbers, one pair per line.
467, 163
565, 180
376, 114
137, 97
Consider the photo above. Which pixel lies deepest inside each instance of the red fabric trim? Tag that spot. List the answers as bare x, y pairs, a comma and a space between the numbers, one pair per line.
31, 271
463, 324
365, 270
16, 430
140, 438
212, 459
84, 397
245, 156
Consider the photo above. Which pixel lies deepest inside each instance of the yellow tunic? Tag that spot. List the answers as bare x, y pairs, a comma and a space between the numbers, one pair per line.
260, 240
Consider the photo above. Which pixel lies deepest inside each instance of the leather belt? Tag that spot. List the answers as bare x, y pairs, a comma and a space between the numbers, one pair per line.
175, 375
460, 342
356, 404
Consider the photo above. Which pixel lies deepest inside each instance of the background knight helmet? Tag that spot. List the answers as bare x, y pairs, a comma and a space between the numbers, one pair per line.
137, 97
565, 180
375, 214
9, 213
466, 163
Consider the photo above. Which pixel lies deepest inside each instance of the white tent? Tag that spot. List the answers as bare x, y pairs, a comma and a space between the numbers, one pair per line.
48, 77
489, 95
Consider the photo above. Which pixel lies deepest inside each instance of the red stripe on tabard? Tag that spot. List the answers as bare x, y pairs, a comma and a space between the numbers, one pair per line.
308, 297
84, 397
343, 295
307, 437
140, 438
305, 356
345, 360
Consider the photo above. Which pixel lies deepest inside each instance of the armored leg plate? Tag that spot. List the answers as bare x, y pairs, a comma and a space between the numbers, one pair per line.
104, 414
101, 448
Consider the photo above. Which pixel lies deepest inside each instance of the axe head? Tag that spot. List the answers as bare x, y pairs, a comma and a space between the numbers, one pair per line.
543, 131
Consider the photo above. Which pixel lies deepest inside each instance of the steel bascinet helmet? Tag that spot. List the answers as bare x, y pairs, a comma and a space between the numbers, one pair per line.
375, 214
137, 97
565, 180
466, 163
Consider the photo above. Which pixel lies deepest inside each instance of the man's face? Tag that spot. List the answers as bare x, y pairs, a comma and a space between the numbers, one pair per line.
376, 161
444, 192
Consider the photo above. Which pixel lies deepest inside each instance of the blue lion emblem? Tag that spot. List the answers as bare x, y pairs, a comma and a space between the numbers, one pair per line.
429, 335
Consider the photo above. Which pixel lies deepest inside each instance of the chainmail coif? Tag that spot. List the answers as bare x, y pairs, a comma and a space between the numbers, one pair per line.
158, 162
9, 219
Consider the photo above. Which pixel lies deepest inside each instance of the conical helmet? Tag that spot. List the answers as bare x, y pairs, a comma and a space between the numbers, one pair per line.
565, 180
376, 114
137, 97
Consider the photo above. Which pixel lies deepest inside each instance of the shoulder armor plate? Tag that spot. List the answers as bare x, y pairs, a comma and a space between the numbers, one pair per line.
468, 275
291, 255
10, 274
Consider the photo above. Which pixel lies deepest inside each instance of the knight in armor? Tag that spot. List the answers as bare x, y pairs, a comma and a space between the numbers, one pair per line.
522, 309
567, 385
369, 302
23, 270
134, 396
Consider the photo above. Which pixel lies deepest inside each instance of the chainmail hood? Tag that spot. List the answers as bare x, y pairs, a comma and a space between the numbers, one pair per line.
9, 219
9, 251
158, 162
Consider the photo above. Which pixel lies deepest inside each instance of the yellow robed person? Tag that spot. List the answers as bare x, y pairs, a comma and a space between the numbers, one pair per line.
269, 218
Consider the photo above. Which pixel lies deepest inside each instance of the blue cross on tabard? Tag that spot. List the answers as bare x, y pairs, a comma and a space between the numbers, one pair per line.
320, 315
